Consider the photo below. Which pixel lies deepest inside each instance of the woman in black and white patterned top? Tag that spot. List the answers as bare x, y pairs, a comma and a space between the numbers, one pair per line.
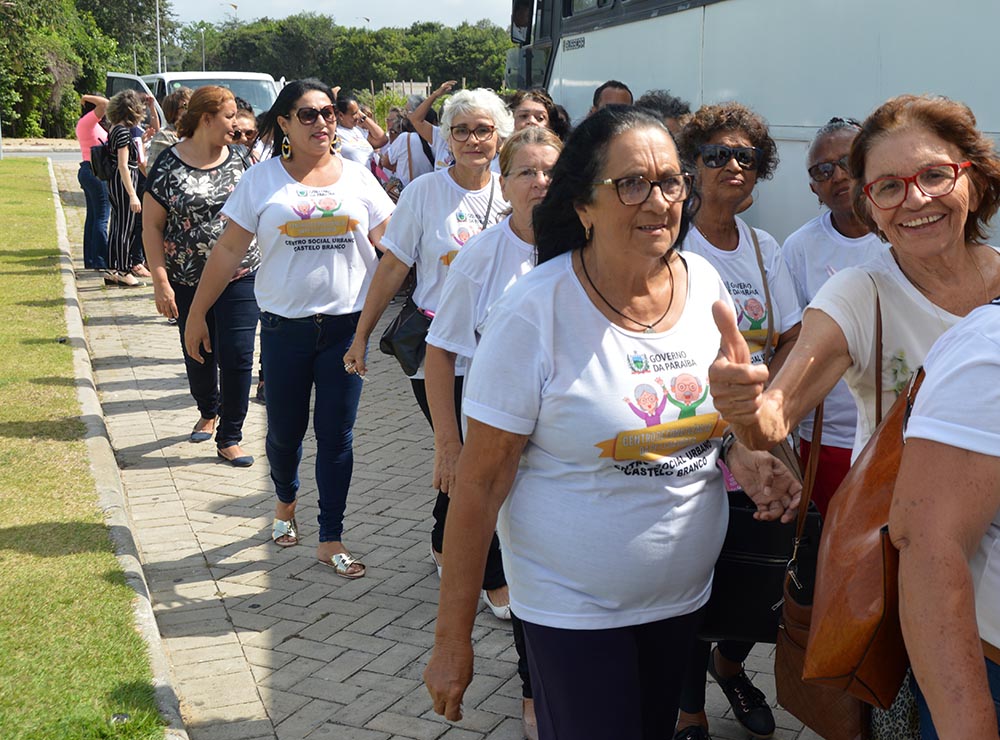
125, 110
182, 221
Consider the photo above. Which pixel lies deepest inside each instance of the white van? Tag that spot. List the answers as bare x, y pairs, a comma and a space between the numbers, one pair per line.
258, 89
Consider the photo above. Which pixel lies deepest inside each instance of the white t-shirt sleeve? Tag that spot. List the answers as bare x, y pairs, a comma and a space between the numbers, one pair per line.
406, 230
504, 385
243, 205
780, 282
956, 403
849, 299
454, 326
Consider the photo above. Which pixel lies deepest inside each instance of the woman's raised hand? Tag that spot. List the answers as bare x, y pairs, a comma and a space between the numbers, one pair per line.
737, 386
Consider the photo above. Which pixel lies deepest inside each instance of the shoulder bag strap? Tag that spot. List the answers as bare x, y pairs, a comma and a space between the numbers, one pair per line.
769, 341
878, 355
409, 158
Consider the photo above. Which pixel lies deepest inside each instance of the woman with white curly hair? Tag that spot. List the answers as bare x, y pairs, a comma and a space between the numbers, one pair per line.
435, 216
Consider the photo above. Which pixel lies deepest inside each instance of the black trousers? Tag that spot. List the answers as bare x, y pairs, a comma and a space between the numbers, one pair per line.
493, 576
622, 683
693, 691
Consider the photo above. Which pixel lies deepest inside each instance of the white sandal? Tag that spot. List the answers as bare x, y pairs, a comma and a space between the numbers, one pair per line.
283, 528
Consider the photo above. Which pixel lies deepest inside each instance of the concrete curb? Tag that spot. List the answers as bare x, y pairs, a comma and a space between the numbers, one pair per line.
111, 496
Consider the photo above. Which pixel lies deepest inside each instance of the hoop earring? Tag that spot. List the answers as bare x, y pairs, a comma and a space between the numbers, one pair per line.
335, 144
588, 232
286, 149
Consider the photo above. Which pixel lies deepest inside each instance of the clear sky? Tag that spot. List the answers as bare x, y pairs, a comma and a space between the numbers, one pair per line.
371, 13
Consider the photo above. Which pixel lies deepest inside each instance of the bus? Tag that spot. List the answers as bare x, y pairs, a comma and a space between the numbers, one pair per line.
796, 62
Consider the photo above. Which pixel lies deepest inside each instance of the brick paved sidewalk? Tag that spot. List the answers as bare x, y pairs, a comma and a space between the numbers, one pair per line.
265, 642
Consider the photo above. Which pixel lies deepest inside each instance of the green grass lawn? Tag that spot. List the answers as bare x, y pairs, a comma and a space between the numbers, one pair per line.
70, 657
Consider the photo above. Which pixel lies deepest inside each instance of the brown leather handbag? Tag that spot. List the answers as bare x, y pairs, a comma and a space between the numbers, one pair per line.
855, 641
830, 712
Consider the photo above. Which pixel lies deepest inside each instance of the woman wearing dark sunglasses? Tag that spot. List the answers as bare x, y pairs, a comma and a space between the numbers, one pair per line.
732, 150
436, 215
827, 244
317, 219
926, 181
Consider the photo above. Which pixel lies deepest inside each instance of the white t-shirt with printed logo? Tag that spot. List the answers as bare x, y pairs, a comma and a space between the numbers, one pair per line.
433, 220
315, 254
617, 513
957, 406
354, 144
406, 153
815, 253
487, 266
741, 274
910, 326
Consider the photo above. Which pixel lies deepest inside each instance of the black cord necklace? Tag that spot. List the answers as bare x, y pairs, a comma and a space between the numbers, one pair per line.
648, 328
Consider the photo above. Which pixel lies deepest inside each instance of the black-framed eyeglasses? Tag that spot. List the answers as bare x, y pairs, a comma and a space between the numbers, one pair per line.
823, 171
719, 155
634, 190
308, 116
462, 133
935, 181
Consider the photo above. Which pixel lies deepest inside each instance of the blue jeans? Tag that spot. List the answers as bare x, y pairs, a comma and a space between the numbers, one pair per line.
221, 385
95, 227
297, 355
927, 731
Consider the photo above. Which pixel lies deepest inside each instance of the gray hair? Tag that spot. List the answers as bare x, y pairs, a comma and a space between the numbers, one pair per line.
480, 100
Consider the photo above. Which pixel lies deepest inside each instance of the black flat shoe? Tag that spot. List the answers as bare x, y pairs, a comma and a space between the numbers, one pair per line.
749, 704
201, 435
693, 732
243, 461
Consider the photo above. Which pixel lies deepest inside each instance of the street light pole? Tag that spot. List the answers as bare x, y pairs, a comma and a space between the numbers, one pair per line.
159, 57
202, 29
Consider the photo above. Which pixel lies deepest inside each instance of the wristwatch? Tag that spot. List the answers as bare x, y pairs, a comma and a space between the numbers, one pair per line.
728, 440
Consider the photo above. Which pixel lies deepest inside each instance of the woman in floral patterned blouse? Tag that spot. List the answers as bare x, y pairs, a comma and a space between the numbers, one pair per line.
182, 220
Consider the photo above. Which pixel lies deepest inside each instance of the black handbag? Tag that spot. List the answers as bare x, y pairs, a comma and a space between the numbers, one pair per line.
756, 559
406, 337
102, 161
750, 573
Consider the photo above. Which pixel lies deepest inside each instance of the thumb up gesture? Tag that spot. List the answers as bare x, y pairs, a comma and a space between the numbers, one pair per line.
737, 386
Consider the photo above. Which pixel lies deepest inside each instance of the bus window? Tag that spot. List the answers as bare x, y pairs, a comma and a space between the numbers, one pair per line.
575, 7
520, 22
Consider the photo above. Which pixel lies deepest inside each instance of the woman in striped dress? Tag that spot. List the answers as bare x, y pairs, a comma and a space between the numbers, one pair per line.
125, 110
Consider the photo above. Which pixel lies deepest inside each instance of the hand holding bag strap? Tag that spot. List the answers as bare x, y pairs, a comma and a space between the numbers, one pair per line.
769, 341
808, 484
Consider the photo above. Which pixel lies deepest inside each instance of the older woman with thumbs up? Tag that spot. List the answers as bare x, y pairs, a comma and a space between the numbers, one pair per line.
927, 181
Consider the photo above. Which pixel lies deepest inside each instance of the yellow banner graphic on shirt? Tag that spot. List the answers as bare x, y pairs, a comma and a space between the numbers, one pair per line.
757, 338
653, 443
325, 226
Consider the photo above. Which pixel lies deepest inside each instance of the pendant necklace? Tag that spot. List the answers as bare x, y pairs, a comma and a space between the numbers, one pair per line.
647, 328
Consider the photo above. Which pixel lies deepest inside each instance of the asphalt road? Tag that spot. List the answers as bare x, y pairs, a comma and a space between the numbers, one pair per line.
57, 156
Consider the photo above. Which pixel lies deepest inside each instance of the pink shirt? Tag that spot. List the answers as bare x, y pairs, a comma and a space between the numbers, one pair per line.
89, 133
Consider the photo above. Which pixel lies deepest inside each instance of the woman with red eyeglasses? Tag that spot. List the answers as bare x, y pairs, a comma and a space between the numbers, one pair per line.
926, 181
732, 150
317, 219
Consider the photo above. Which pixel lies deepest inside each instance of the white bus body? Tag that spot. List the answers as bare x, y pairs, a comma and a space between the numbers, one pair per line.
796, 62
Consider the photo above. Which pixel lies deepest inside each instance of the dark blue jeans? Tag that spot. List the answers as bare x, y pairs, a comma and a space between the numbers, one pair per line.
221, 385
927, 731
95, 227
299, 354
